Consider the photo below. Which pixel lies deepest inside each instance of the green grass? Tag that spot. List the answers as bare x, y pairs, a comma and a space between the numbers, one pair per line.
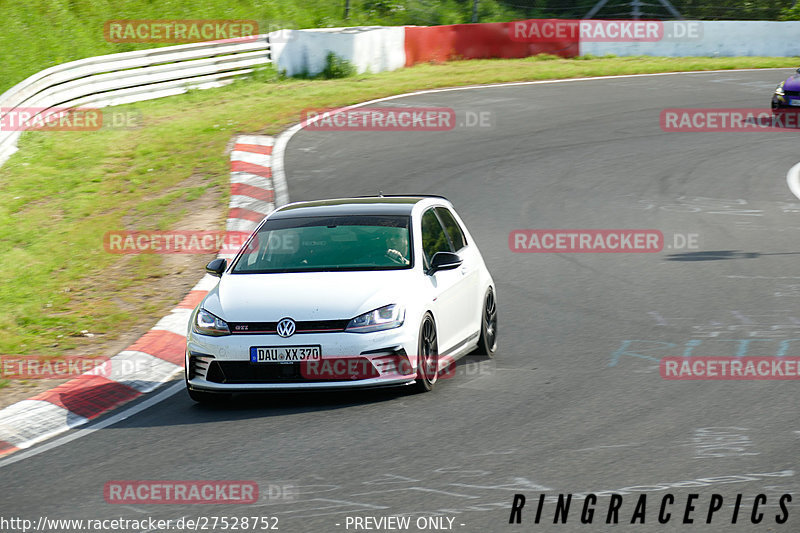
41, 33
63, 190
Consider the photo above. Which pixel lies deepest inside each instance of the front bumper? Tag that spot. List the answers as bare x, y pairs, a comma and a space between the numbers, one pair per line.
785, 102
203, 385
222, 364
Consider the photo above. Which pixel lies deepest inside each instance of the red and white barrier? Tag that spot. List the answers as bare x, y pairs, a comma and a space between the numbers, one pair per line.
479, 41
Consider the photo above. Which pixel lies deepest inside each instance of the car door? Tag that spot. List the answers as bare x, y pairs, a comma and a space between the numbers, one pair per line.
469, 299
445, 284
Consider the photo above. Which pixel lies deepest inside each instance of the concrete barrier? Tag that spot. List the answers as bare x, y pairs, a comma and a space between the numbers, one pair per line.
372, 48
710, 39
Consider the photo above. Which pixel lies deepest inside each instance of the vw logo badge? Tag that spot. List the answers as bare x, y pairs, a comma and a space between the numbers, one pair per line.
286, 327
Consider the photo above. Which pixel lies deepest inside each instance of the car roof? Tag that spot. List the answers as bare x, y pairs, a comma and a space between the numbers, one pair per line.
364, 205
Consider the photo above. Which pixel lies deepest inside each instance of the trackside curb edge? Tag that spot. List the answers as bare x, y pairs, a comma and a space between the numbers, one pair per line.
158, 355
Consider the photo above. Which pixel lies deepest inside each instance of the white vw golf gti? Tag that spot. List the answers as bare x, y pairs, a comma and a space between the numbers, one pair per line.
352, 292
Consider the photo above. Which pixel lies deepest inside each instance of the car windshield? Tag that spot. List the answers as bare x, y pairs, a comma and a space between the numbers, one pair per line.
307, 244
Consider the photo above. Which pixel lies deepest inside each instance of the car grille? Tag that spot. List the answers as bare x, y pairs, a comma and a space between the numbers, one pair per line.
247, 372
791, 93
271, 328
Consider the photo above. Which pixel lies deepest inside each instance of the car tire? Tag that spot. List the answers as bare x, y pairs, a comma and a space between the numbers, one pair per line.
487, 343
427, 355
208, 398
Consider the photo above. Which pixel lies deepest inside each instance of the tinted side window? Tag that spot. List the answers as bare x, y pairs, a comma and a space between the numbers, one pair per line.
452, 227
433, 236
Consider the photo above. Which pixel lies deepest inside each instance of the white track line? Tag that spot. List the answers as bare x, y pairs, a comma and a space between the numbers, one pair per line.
282, 140
82, 432
793, 179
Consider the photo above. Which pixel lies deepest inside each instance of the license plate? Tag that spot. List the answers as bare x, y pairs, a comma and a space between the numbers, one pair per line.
794, 101
279, 354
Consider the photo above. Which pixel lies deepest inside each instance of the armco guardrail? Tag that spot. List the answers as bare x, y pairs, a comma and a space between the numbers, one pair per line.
142, 75
132, 77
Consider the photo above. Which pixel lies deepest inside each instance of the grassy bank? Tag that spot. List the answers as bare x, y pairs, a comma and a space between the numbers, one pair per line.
43, 33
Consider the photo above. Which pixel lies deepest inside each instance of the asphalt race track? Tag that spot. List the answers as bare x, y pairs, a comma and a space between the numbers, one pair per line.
574, 402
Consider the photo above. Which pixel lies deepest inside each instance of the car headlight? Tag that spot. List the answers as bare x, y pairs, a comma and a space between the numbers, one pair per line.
779, 90
386, 317
207, 324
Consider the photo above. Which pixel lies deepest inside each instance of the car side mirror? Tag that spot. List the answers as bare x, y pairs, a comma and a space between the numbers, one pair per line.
217, 267
444, 261
798, 71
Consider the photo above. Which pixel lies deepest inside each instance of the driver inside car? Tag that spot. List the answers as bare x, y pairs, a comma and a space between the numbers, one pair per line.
397, 248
